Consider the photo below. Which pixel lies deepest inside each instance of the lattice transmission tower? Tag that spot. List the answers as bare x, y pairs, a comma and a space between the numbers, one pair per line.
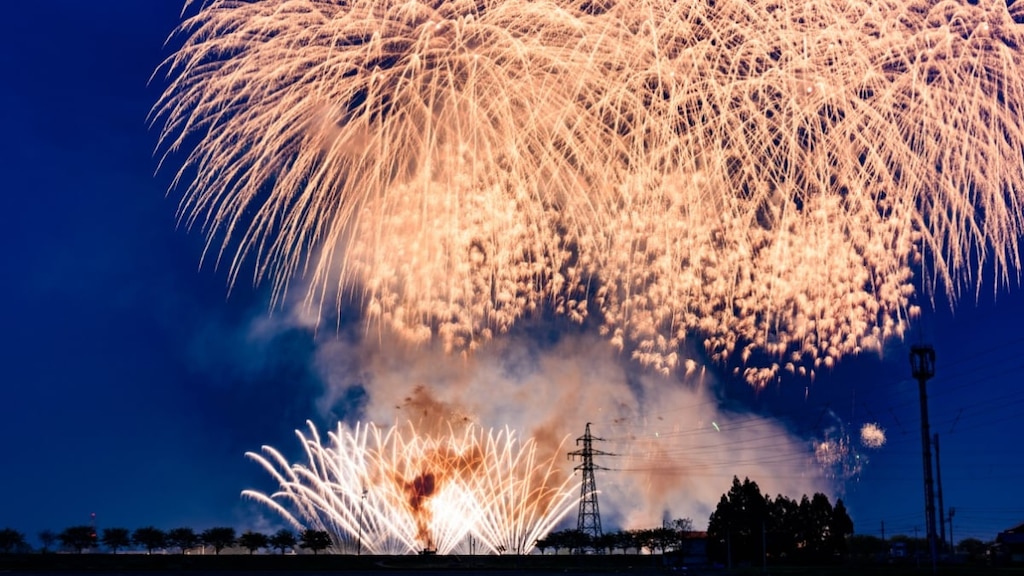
589, 520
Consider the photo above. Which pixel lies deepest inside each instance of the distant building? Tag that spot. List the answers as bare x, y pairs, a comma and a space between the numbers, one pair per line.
693, 550
1009, 546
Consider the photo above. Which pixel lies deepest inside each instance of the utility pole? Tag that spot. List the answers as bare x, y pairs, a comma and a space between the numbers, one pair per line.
938, 483
922, 367
589, 519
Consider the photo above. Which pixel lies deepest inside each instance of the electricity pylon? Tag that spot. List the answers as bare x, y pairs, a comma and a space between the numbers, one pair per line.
589, 519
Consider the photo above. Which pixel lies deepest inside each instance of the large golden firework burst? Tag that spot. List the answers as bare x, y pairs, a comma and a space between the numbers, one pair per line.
765, 176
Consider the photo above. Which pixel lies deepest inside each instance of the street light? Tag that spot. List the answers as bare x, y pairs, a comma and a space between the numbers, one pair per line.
359, 535
922, 367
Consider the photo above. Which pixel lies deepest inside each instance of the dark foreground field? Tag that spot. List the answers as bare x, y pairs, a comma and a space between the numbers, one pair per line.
235, 565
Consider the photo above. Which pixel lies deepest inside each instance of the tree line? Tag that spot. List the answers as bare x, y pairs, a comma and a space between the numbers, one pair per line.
674, 535
746, 527
750, 528
870, 548
150, 539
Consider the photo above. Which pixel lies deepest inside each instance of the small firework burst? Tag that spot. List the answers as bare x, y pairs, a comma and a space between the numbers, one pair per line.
872, 435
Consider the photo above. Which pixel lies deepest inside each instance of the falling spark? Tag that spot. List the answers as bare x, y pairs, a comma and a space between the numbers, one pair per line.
760, 177
837, 458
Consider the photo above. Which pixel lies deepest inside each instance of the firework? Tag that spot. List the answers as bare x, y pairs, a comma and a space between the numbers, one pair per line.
837, 457
797, 160
763, 177
872, 436
415, 154
399, 491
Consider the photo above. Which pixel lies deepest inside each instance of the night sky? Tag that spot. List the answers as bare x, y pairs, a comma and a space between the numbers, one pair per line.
134, 382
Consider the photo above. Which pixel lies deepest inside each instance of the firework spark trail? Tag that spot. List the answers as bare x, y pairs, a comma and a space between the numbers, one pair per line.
764, 177
805, 157
398, 491
414, 153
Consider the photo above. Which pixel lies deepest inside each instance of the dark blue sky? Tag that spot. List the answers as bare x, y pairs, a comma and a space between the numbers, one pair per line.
132, 389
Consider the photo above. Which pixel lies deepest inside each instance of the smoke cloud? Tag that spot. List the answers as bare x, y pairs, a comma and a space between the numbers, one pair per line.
671, 447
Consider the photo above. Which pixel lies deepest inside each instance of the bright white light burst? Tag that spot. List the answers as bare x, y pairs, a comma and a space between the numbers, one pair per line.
400, 491
762, 176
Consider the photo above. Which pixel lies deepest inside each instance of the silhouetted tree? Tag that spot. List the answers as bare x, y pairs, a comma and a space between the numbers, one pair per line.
183, 539
315, 540
673, 534
720, 523
78, 538
664, 538
556, 540
219, 538
866, 547
912, 546
542, 544
816, 514
579, 541
840, 528
644, 537
681, 528
974, 548
253, 541
736, 527
568, 538
606, 542
749, 527
116, 538
783, 528
282, 540
149, 538
12, 541
626, 539
48, 538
